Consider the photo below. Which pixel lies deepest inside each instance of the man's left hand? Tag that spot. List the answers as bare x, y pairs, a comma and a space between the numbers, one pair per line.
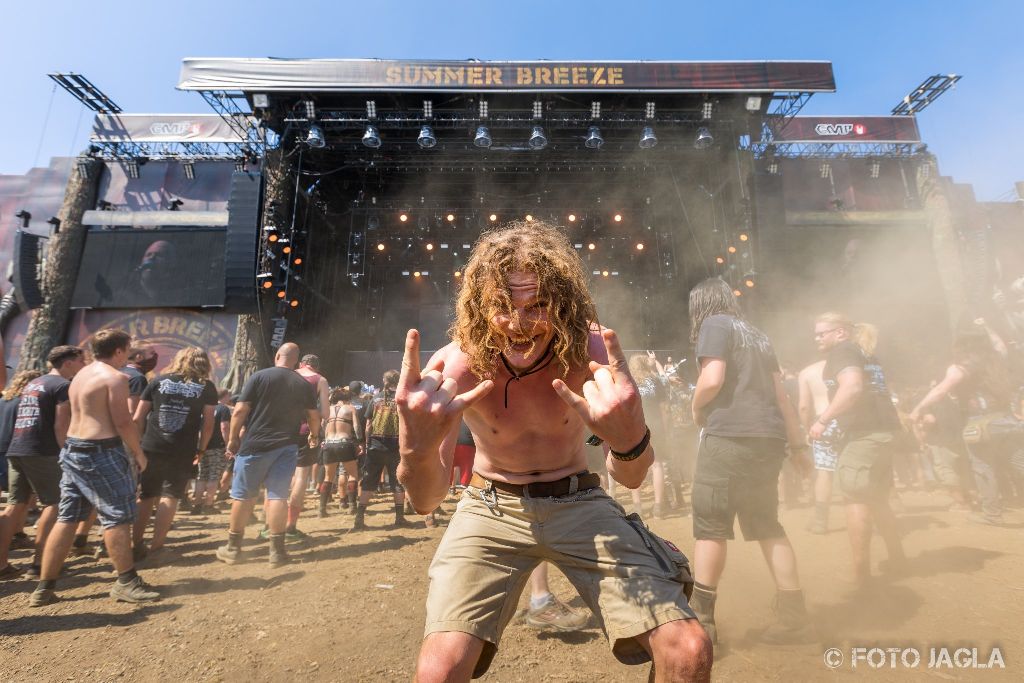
816, 431
610, 405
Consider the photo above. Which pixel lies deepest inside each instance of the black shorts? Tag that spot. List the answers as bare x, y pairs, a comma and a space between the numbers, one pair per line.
343, 450
737, 477
374, 463
166, 475
308, 456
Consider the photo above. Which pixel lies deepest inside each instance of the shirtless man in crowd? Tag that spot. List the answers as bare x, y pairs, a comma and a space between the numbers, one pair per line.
97, 472
526, 344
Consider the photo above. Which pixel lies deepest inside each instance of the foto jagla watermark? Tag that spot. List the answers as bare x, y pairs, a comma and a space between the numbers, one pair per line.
938, 657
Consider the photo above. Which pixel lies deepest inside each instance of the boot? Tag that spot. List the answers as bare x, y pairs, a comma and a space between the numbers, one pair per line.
791, 624
325, 497
400, 520
232, 552
702, 602
359, 524
352, 499
278, 554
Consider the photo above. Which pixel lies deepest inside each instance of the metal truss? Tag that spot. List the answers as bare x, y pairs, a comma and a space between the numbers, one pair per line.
254, 142
82, 89
840, 150
781, 109
186, 151
926, 93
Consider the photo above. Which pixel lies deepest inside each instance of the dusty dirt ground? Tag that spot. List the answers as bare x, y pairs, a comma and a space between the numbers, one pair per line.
351, 609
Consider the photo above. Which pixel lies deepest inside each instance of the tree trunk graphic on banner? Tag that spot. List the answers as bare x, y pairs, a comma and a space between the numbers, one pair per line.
48, 327
250, 353
936, 203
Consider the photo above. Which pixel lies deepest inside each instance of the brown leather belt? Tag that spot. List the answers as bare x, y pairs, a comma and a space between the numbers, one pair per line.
542, 489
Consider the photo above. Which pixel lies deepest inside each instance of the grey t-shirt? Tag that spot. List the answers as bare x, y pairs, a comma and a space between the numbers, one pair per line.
746, 404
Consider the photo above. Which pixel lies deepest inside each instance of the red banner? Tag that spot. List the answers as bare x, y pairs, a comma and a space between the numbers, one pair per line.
866, 129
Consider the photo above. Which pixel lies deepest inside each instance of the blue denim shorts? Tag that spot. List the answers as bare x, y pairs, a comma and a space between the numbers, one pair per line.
273, 469
97, 474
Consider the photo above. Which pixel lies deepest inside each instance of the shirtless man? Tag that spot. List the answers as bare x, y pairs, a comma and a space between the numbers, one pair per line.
525, 323
309, 454
813, 402
97, 472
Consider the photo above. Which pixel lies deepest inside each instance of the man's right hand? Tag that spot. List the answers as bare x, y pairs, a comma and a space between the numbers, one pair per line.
140, 460
428, 405
231, 448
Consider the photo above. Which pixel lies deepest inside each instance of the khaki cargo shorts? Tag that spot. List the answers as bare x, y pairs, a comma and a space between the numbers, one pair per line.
864, 469
631, 579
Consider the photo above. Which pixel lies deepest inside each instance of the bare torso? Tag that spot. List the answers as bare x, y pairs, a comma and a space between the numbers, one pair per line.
538, 437
340, 422
89, 396
811, 379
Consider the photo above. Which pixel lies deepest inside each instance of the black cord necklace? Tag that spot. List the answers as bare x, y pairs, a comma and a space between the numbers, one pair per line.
539, 365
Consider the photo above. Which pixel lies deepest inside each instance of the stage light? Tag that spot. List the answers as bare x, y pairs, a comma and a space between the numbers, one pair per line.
190, 170
483, 108
483, 137
719, 260
315, 137
649, 110
371, 138
287, 250
239, 166
132, 167
639, 246
737, 292
604, 273
260, 101
380, 246
416, 274
430, 247
591, 246
281, 294
371, 109
593, 139
537, 138
617, 218
267, 284
825, 169
572, 218
493, 217
744, 237
754, 104
403, 217
272, 237
297, 262
426, 139
310, 107
458, 273
647, 138
595, 110
428, 109
451, 217
704, 138
707, 110
749, 283
538, 109
876, 169
773, 168
732, 250
529, 218
294, 303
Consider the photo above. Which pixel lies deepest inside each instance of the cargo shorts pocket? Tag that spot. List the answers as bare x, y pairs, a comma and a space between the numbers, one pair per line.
710, 501
671, 560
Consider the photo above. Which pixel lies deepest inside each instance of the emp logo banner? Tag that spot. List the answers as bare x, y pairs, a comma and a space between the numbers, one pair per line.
175, 128
834, 129
859, 130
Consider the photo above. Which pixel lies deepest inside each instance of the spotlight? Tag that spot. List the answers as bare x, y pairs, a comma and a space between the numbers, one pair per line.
538, 109
529, 218
876, 169
450, 217
537, 138
281, 294
591, 246
744, 237
825, 169
737, 292
267, 284
260, 101
426, 139
294, 303
639, 246
732, 250
297, 262
428, 109
416, 274
315, 137
493, 217
617, 218
704, 138
190, 170
371, 109
594, 139
753, 104
287, 250
572, 218
773, 168
272, 237
84, 168
595, 110
647, 138
371, 138
430, 247
604, 273
458, 273
749, 283
719, 260
482, 138
380, 246
707, 110
483, 108
239, 166
403, 217
310, 107
132, 166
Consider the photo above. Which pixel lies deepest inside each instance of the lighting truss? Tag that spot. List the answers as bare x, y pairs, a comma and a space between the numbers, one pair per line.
920, 97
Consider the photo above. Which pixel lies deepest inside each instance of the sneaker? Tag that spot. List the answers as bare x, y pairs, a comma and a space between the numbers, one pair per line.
278, 559
9, 572
135, 590
229, 554
196, 510
555, 616
41, 597
295, 536
21, 541
264, 534
33, 571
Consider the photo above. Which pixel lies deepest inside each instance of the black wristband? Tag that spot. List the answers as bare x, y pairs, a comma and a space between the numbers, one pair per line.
637, 450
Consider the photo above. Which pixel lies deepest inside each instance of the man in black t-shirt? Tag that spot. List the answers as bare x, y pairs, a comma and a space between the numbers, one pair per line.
746, 417
273, 404
141, 361
40, 428
212, 461
176, 412
860, 402
381, 432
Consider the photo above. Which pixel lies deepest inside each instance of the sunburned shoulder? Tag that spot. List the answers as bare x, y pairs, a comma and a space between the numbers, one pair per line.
456, 365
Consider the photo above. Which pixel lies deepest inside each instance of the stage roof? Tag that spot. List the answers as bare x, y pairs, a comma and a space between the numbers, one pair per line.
367, 75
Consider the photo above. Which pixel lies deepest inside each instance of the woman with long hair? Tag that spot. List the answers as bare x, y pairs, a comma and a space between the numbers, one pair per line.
652, 396
11, 398
176, 416
342, 436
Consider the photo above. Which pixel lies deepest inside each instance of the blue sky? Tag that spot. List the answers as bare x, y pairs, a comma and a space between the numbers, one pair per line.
880, 51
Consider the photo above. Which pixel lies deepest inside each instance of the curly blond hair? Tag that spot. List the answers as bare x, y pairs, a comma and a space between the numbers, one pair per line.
541, 249
191, 363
